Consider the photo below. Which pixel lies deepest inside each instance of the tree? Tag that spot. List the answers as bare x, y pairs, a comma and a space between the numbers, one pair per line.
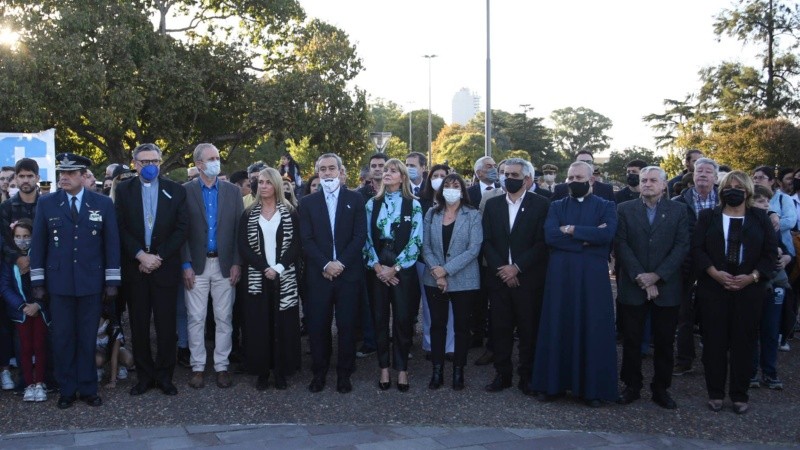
618, 161
579, 128
459, 147
419, 129
748, 142
766, 23
673, 163
518, 131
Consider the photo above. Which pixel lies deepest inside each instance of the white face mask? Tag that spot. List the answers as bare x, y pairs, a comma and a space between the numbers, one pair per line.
330, 185
212, 168
549, 177
436, 183
451, 195
12, 191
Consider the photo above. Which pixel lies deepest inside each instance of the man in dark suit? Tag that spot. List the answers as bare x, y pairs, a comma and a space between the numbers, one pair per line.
486, 172
652, 241
600, 189
373, 183
516, 258
75, 255
333, 229
152, 227
211, 263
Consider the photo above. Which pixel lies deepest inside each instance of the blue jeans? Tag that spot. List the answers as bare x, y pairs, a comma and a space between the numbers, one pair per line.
766, 353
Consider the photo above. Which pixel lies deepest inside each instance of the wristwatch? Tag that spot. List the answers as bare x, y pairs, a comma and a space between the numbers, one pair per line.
397, 268
755, 276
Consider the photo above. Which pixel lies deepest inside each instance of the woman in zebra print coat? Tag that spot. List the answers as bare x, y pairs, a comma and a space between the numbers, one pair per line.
270, 245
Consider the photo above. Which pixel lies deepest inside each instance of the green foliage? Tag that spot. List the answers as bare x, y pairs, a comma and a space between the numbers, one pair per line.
618, 161
520, 132
579, 128
108, 88
673, 163
748, 142
459, 147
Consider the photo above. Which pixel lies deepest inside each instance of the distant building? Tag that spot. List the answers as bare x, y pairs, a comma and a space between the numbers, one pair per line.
465, 105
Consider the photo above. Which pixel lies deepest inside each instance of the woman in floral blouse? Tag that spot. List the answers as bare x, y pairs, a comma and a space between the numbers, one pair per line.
394, 241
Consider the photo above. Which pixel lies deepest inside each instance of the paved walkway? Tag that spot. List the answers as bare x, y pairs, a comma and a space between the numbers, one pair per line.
287, 436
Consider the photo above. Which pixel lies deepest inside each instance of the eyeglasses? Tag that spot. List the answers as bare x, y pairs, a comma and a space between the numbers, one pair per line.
760, 177
148, 162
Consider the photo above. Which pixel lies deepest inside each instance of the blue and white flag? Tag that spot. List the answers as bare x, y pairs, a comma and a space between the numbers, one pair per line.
39, 146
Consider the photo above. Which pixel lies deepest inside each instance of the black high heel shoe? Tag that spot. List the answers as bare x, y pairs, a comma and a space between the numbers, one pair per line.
384, 386
402, 387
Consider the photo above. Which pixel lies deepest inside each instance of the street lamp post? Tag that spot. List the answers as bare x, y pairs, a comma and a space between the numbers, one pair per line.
410, 136
430, 128
488, 118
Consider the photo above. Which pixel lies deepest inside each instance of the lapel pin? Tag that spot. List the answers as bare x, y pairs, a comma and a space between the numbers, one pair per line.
348, 206
165, 193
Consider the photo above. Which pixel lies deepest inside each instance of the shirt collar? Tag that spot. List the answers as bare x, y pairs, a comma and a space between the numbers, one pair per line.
203, 185
79, 196
484, 185
519, 200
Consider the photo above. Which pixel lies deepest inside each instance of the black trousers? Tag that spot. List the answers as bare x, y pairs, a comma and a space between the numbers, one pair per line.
274, 335
439, 306
664, 319
730, 323
480, 308
146, 299
399, 301
510, 307
323, 297
685, 333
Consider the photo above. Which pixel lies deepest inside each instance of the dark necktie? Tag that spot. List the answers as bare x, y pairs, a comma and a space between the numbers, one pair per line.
734, 244
416, 190
74, 209
488, 188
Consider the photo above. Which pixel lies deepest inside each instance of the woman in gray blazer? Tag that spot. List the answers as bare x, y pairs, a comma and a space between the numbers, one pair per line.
452, 238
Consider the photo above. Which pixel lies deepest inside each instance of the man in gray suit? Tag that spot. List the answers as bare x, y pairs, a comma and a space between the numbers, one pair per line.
211, 262
652, 242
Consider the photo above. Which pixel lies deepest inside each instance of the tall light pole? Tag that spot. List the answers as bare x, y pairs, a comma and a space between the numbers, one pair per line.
410, 132
430, 128
488, 118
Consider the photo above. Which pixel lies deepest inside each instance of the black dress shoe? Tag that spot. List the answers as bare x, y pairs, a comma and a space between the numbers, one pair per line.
343, 385
499, 383
403, 387
93, 400
594, 403
437, 377
317, 384
65, 401
184, 357
385, 386
280, 382
458, 378
664, 400
167, 388
629, 395
262, 383
524, 383
141, 388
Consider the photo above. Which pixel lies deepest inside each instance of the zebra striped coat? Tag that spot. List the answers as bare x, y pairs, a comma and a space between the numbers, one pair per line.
251, 249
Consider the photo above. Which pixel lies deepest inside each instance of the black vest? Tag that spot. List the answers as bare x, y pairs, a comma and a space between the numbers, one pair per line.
401, 232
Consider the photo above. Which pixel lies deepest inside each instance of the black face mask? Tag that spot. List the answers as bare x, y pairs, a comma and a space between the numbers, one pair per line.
253, 187
287, 196
796, 184
107, 191
733, 197
633, 179
578, 189
513, 185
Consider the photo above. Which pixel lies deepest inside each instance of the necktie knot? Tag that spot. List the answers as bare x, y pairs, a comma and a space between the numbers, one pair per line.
488, 188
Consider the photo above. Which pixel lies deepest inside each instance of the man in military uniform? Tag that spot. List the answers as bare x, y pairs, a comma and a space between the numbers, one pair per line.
74, 259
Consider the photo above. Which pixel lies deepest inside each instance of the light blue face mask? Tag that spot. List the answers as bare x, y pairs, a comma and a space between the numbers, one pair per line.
491, 175
413, 173
212, 168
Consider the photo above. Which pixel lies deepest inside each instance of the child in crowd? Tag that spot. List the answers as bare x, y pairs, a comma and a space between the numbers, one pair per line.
766, 354
31, 317
109, 331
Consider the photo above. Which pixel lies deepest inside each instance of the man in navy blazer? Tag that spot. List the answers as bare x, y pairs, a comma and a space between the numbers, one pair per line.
600, 189
333, 229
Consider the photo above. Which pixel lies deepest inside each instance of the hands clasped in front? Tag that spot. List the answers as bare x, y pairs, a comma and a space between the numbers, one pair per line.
148, 263
386, 274
332, 270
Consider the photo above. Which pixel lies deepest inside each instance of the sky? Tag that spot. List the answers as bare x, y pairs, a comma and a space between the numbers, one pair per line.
620, 58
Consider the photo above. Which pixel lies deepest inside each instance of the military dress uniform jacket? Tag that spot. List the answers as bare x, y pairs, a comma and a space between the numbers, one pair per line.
75, 258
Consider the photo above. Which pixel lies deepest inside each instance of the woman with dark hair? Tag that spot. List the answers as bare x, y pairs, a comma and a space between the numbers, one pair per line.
431, 185
734, 249
781, 203
290, 168
394, 242
311, 186
269, 243
453, 235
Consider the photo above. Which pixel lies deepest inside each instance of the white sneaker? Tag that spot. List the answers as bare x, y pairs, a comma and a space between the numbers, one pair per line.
30, 394
40, 393
122, 374
5, 380
782, 347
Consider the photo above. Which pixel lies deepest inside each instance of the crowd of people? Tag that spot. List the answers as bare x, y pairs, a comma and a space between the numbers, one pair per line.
255, 260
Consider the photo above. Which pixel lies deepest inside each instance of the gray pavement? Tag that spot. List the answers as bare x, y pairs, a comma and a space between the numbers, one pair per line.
289, 436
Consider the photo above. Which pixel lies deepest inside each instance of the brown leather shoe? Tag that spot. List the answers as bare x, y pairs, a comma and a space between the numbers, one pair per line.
197, 380
223, 379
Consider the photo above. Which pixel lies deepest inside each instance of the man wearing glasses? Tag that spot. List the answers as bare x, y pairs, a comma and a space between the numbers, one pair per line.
152, 227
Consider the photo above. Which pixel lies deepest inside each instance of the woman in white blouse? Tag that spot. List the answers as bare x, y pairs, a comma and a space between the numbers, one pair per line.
269, 244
